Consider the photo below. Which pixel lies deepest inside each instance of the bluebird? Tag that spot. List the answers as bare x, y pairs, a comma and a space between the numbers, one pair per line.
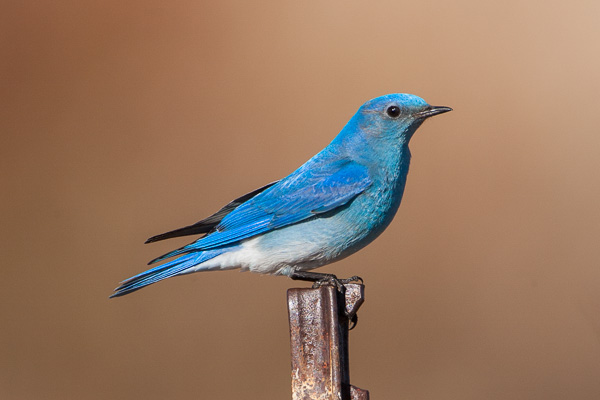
332, 206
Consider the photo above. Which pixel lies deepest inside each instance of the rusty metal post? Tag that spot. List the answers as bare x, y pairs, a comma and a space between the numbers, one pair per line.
319, 341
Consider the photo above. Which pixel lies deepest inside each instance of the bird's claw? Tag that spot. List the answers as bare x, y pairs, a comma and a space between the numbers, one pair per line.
352, 320
333, 280
352, 279
330, 280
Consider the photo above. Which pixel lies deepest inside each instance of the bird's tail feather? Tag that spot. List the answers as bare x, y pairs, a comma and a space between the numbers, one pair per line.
164, 271
185, 249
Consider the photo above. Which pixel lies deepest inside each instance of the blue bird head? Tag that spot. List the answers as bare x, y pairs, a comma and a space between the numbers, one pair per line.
395, 116
380, 130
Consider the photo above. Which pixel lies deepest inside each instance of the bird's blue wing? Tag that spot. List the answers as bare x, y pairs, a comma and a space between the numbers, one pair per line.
307, 192
207, 225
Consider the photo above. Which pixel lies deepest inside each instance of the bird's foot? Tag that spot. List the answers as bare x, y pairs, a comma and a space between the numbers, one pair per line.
320, 279
330, 280
354, 278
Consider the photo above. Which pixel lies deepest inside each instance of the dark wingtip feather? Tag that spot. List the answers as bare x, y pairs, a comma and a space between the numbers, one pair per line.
156, 238
208, 224
198, 228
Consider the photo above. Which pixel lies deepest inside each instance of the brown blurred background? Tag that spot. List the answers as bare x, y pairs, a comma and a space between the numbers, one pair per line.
121, 120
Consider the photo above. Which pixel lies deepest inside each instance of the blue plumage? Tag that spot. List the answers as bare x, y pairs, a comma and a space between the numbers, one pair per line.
330, 207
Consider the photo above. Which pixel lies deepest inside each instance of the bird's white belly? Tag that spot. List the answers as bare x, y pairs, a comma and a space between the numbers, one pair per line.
250, 256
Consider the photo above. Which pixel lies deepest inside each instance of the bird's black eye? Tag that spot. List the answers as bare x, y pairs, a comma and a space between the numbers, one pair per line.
393, 111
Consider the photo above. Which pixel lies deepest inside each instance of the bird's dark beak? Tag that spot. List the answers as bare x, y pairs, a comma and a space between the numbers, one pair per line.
430, 111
